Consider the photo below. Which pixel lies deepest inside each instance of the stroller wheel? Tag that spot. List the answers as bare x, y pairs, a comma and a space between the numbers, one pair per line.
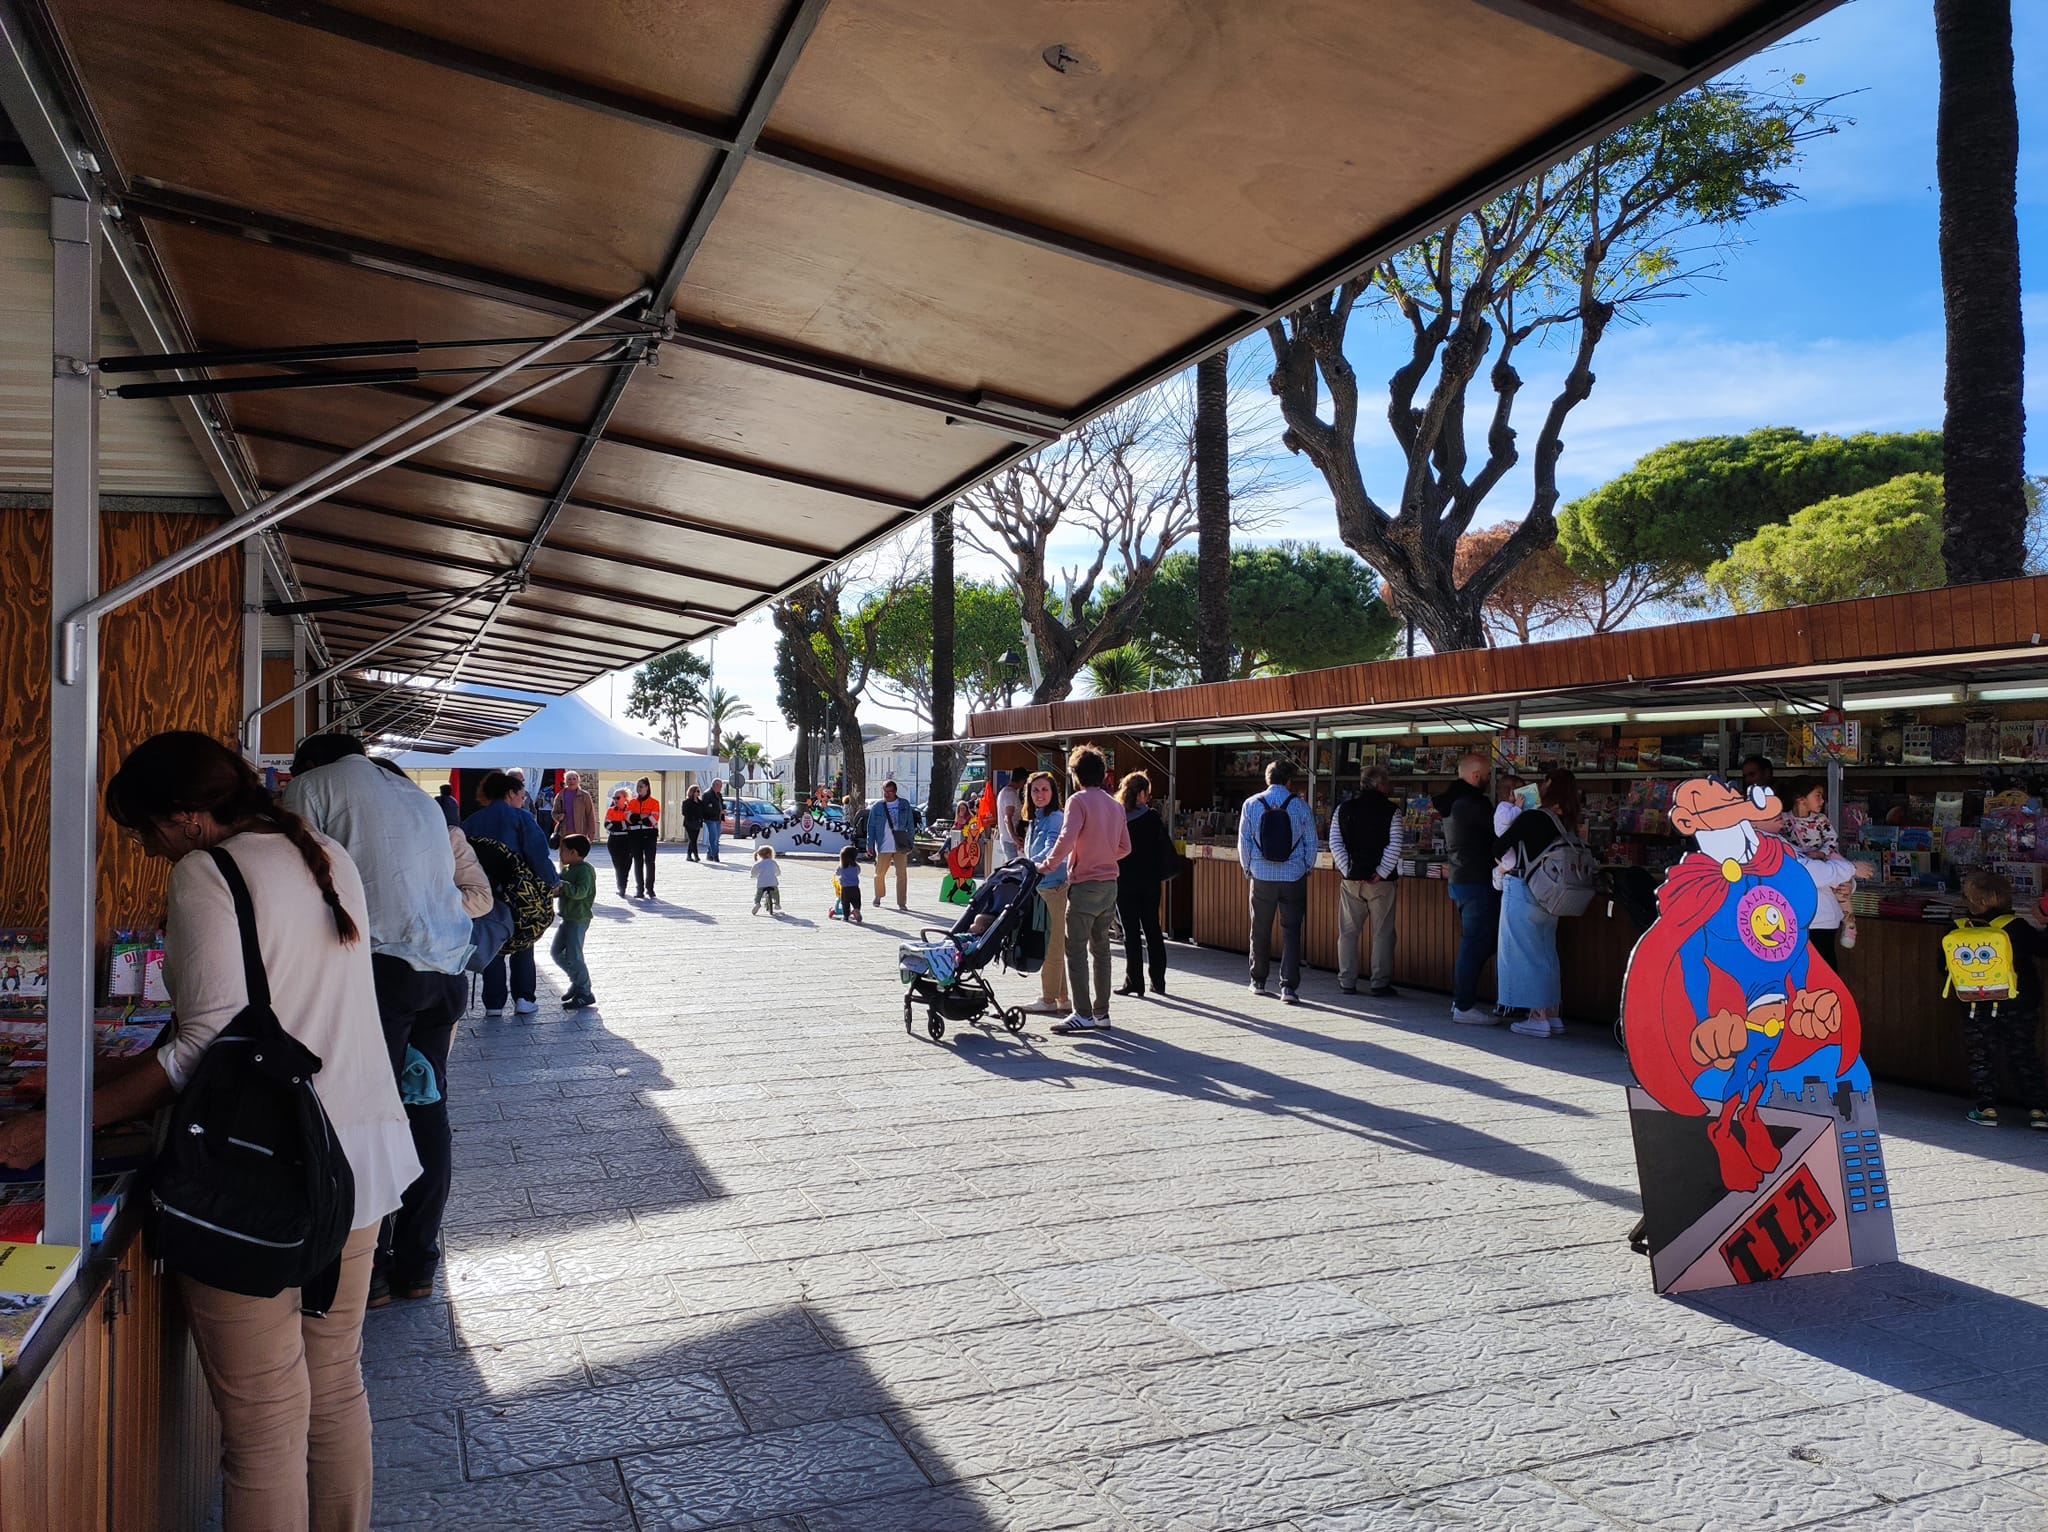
935, 1028
1013, 1021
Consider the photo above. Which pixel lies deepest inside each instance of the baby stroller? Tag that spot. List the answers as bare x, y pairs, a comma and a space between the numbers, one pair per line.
943, 969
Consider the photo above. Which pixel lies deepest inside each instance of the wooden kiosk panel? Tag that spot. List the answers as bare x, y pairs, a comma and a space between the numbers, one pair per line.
1175, 125
803, 260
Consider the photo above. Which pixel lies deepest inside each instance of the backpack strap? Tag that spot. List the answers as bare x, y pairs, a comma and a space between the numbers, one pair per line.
245, 917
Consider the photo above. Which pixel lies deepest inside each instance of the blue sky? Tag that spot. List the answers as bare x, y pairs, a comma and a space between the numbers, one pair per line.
1827, 317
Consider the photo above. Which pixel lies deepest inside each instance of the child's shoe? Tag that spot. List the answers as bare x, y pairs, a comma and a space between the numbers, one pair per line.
2038, 1120
1987, 1115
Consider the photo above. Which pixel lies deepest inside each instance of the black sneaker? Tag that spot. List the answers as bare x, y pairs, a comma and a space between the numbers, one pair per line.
1384, 992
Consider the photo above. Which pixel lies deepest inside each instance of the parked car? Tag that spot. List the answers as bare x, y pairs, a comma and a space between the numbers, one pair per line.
752, 817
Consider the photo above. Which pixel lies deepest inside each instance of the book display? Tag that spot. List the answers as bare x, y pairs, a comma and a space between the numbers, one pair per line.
32, 1279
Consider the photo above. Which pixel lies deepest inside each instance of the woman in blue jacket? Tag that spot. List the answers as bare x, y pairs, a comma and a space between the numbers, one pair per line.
504, 819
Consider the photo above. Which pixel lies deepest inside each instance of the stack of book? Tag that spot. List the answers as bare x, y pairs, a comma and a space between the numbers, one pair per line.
32, 1279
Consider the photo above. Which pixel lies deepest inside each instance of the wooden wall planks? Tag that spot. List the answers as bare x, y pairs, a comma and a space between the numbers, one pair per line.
169, 660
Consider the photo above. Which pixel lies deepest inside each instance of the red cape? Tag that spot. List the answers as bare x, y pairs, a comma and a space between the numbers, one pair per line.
1657, 1014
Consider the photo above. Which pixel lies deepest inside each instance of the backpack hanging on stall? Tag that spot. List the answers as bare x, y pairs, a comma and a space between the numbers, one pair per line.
1560, 879
1276, 837
519, 888
252, 1192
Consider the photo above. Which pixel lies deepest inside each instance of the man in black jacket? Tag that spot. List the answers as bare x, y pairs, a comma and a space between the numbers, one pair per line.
1365, 843
1467, 813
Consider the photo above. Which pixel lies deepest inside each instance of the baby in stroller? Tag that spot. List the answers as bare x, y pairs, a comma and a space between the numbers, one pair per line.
942, 970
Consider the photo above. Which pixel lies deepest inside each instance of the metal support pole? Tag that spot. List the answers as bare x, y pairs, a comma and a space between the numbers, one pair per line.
322, 483
252, 648
74, 715
1834, 766
299, 687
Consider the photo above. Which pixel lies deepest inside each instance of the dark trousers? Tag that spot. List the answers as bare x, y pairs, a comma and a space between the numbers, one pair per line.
524, 977
2013, 1042
1288, 901
620, 847
644, 842
695, 831
1822, 942
1478, 934
418, 1010
1137, 906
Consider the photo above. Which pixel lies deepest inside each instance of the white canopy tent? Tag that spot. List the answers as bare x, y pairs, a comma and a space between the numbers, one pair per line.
568, 732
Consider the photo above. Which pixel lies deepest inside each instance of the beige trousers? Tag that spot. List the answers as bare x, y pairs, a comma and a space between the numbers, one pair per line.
1052, 978
902, 862
295, 1420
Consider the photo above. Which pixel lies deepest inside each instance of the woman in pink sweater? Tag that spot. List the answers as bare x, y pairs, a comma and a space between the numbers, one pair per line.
1093, 839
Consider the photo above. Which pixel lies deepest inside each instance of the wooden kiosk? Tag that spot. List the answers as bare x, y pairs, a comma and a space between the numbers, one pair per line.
1958, 672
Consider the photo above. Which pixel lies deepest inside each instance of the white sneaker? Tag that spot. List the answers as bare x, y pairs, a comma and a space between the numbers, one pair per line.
1529, 1028
1079, 1023
1474, 1017
1043, 1008
525, 1007
494, 1013
1259, 989
1557, 1026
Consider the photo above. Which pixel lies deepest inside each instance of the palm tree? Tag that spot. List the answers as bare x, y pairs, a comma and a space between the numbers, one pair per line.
1976, 153
721, 709
735, 750
1126, 668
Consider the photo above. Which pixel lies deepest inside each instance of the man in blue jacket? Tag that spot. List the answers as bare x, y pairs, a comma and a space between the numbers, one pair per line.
892, 830
504, 819
1277, 856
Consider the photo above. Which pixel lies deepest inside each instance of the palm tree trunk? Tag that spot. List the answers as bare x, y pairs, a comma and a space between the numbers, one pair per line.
1212, 516
1977, 160
944, 761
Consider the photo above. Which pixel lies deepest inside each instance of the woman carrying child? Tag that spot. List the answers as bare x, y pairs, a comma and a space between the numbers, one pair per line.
1041, 819
1808, 830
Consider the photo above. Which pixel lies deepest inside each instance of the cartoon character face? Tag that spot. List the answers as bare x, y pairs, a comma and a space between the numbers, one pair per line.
1709, 803
1982, 970
1766, 924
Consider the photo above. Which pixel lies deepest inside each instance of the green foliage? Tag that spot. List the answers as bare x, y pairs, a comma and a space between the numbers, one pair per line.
1293, 606
1126, 668
1687, 505
668, 691
721, 710
1876, 542
988, 620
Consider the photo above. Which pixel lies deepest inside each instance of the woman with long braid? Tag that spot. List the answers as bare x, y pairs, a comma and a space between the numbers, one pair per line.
295, 1421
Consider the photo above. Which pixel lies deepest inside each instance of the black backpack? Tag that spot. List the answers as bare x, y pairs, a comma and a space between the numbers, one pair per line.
520, 888
1276, 838
252, 1192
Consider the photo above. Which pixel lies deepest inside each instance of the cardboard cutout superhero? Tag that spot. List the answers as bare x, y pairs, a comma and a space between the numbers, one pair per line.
1724, 993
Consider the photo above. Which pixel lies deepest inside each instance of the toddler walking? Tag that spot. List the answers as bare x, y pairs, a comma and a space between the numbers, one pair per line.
847, 881
578, 893
1989, 959
767, 881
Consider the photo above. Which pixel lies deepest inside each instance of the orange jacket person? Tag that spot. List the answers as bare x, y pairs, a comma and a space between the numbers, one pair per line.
643, 817
618, 836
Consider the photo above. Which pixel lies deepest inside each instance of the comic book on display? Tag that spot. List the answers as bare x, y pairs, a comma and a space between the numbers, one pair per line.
21, 1209
32, 1279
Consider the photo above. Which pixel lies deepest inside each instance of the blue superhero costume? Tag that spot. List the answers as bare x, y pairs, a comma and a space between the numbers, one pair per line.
1758, 939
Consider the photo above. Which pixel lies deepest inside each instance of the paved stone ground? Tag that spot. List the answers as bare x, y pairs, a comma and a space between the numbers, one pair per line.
736, 1252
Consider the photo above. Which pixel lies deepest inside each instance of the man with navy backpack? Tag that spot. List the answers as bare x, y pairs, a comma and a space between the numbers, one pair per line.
1276, 846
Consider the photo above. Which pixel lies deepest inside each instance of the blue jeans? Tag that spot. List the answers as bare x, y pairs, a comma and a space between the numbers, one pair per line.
712, 830
525, 979
568, 955
1478, 933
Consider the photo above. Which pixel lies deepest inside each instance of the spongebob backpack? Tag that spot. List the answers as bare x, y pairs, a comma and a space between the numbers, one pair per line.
1980, 963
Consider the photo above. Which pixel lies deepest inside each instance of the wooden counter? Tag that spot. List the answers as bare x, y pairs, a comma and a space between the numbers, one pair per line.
107, 1423
1910, 1033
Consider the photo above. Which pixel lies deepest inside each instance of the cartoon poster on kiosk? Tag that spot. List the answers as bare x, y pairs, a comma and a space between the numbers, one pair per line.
1755, 1132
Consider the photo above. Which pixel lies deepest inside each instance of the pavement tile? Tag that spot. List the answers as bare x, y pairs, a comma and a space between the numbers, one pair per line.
550, 1430
1118, 1282
1745, 1478
1236, 1479
586, 1498
769, 1473
1268, 1316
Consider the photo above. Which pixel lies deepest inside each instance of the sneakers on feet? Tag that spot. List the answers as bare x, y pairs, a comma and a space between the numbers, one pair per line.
1079, 1023
525, 1007
1044, 1008
1987, 1115
380, 1291
1530, 1028
1472, 1016
1347, 989
1557, 1026
2038, 1120
1384, 992
1260, 989
1290, 997
499, 1012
